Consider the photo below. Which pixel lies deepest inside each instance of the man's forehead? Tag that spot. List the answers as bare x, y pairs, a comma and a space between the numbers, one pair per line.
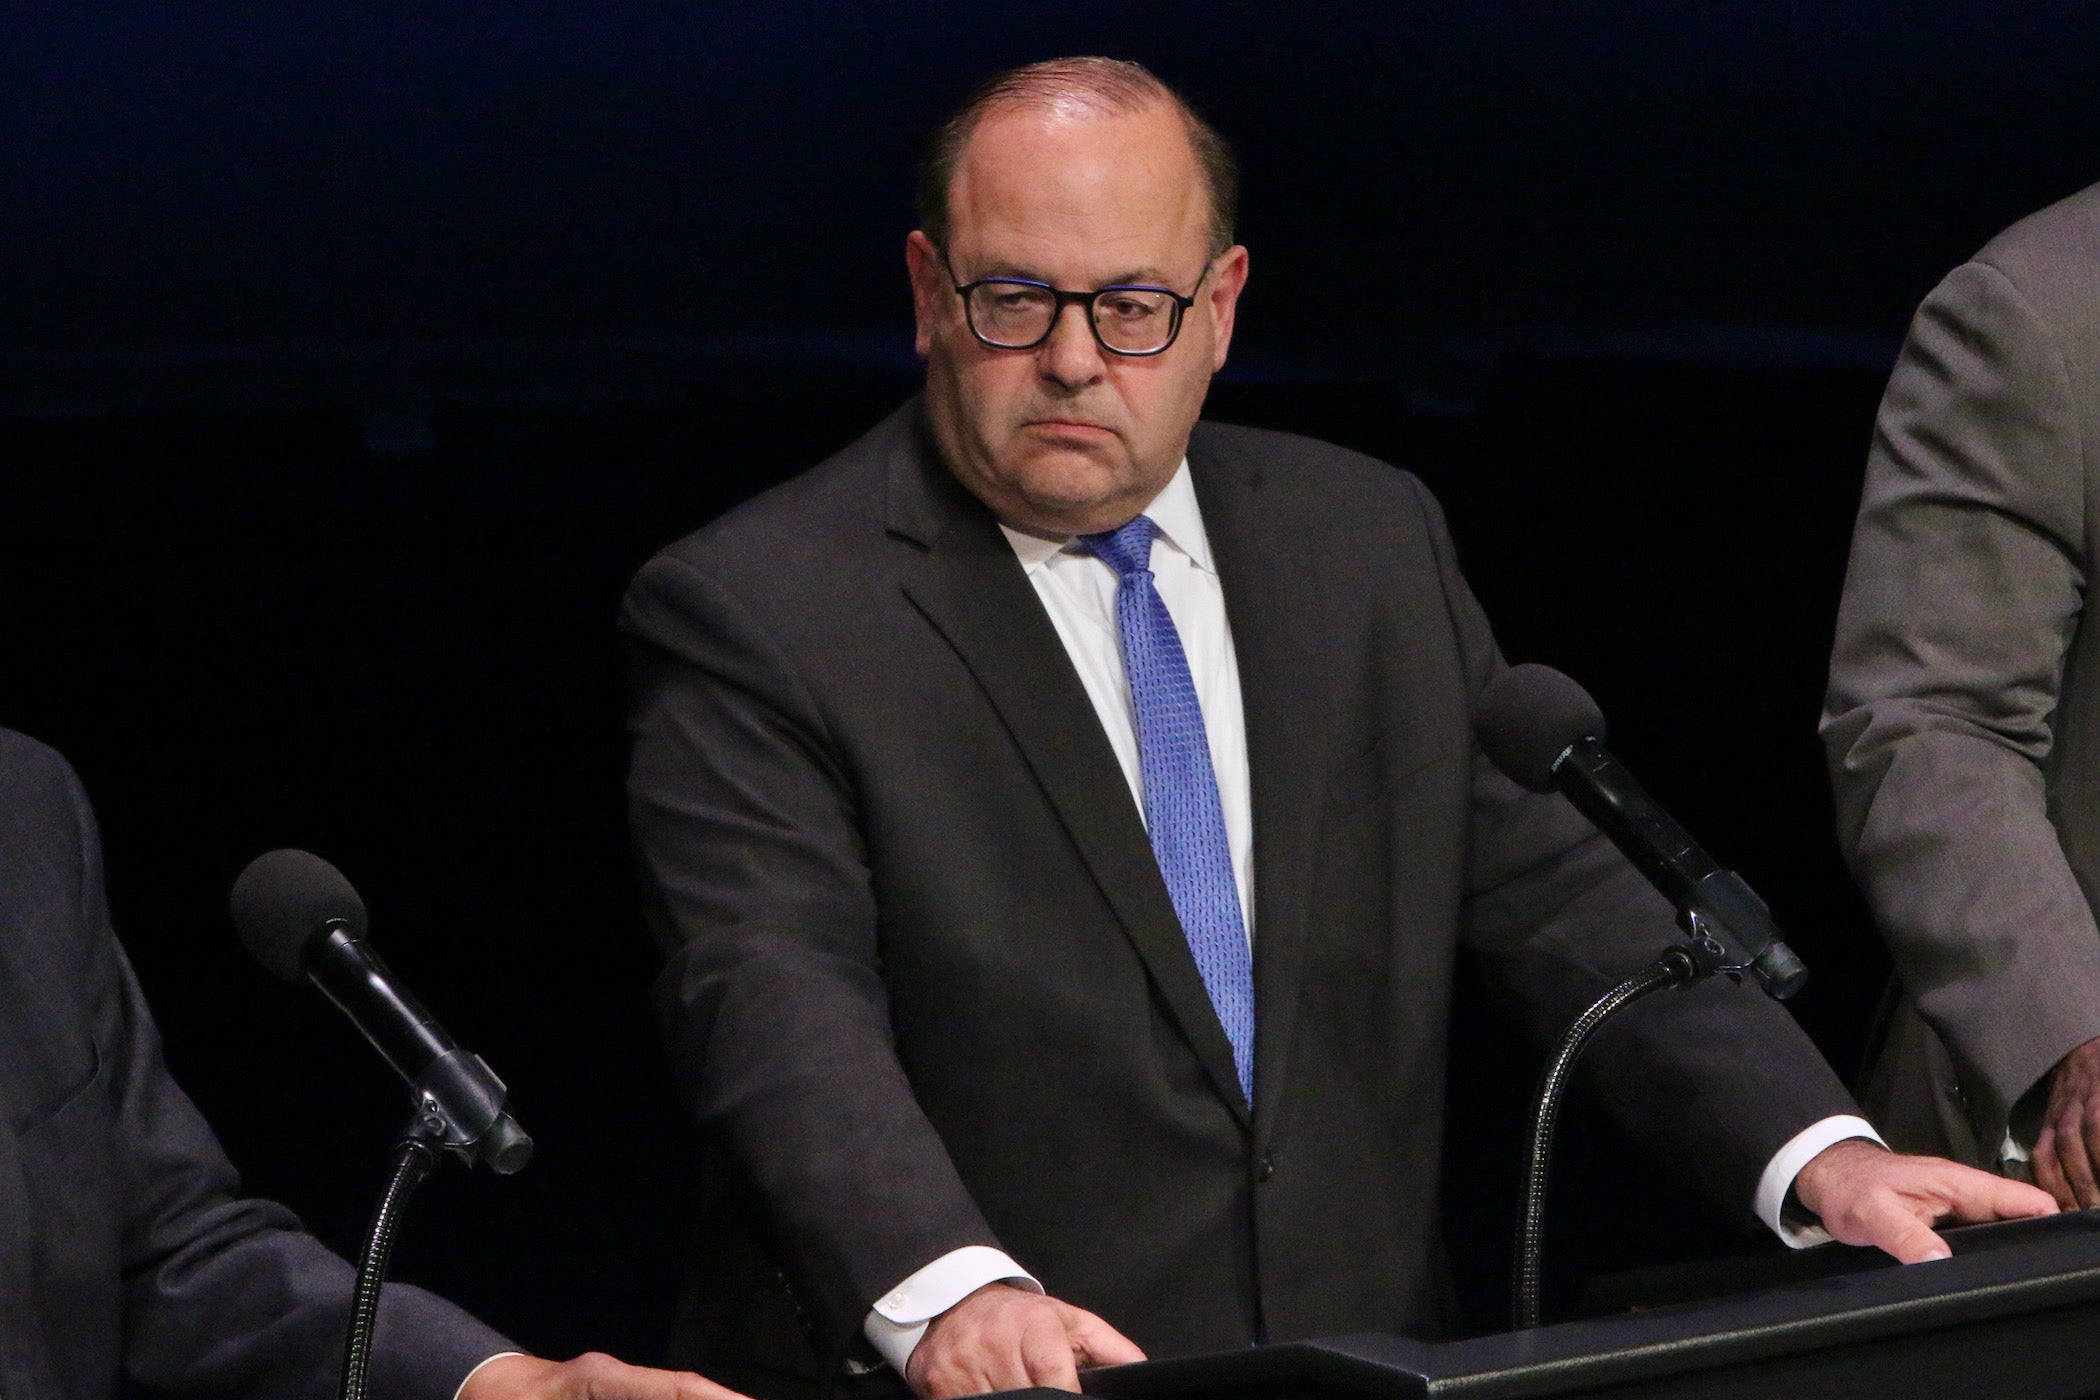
1036, 192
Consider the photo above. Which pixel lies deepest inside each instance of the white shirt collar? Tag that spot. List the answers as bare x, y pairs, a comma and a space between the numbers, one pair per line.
1173, 510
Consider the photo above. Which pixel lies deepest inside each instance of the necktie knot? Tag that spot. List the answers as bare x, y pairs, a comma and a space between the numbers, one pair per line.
1128, 550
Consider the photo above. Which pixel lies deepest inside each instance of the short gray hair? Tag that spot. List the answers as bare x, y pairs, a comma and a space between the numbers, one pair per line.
1090, 86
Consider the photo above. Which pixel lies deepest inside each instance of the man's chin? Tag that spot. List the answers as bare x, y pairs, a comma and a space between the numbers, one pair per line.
1074, 495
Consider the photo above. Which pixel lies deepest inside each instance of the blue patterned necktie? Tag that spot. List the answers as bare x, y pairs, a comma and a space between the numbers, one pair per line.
1183, 814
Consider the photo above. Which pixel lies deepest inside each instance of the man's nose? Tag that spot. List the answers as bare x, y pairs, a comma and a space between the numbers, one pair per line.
1071, 355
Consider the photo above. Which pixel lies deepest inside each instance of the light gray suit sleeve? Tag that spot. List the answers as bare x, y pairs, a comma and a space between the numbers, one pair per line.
1967, 577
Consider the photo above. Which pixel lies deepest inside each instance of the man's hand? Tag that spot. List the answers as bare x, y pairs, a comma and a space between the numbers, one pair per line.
1866, 1194
2068, 1147
1003, 1338
589, 1377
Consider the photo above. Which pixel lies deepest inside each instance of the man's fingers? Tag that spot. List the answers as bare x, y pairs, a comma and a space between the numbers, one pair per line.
1896, 1231
692, 1387
2077, 1166
624, 1382
998, 1338
2089, 1141
1891, 1201
978, 1375
599, 1377
1095, 1343
1003, 1338
592, 1376
1004, 1371
1980, 1196
2049, 1173
976, 1370
596, 1376
1046, 1354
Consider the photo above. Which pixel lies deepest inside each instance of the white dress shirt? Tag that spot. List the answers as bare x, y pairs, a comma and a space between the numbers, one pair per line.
1079, 592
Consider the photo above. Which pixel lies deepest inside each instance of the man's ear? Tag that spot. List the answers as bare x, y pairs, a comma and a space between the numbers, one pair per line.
928, 281
1223, 300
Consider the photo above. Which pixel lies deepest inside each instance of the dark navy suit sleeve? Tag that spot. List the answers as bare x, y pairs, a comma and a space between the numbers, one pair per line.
148, 1265
774, 996
1717, 1077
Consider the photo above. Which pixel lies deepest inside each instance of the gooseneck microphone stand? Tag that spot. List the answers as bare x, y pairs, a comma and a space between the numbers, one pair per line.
413, 1163
476, 1128
1674, 968
1702, 955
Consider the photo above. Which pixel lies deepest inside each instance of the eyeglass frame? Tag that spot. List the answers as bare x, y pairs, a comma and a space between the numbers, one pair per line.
1182, 305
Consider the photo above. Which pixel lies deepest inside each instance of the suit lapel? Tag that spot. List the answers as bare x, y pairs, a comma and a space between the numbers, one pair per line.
1272, 600
974, 591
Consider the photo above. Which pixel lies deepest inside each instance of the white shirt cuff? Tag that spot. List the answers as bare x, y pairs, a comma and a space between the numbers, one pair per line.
900, 1316
1786, 1164
462, 1390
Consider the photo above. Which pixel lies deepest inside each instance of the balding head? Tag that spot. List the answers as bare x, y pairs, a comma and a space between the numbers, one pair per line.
1076, 88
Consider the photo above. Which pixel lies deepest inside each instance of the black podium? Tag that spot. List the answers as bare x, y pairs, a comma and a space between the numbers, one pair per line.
2016, 1313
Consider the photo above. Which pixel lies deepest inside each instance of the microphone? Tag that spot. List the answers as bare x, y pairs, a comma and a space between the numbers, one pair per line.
304, 922
1544, 732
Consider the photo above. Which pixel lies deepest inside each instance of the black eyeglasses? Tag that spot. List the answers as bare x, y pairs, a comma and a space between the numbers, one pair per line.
1013, 313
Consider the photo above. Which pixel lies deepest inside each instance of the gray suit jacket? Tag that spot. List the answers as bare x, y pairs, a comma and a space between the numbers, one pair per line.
927, 985
1963, 717
126, 1260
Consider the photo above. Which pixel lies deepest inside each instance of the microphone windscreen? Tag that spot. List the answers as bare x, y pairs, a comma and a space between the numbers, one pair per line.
1527, 717
282, 898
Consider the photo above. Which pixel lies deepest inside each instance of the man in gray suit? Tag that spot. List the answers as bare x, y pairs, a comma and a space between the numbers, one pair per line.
127, 1261
1963, 718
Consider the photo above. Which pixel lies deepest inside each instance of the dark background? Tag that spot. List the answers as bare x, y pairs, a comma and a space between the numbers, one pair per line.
353, 355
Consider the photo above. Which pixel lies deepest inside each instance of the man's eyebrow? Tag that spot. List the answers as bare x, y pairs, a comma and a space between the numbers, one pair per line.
1132, 277
1016, 271
1138, 277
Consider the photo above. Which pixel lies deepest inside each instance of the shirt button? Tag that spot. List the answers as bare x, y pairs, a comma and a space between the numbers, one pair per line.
1266, 1169
895, 1300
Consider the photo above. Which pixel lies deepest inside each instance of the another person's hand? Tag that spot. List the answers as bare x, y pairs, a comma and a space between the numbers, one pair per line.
1866, 1194
591, 1376
2068, 1148
1005, 1338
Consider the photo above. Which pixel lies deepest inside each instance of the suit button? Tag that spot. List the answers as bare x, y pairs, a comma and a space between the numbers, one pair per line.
1266, 1168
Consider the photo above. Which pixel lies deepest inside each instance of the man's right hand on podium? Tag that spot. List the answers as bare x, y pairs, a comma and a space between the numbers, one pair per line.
1003, 1338
592, 1376
1866, 1194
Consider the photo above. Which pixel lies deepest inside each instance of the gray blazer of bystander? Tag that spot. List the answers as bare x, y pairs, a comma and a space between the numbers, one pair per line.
1963, 715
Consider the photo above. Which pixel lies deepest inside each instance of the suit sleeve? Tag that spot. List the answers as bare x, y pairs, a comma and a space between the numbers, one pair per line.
1715, 1078
220, 1294
1966, 581
773, 1001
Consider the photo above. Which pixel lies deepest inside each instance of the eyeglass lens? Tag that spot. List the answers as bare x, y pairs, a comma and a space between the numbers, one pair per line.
1018, 314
